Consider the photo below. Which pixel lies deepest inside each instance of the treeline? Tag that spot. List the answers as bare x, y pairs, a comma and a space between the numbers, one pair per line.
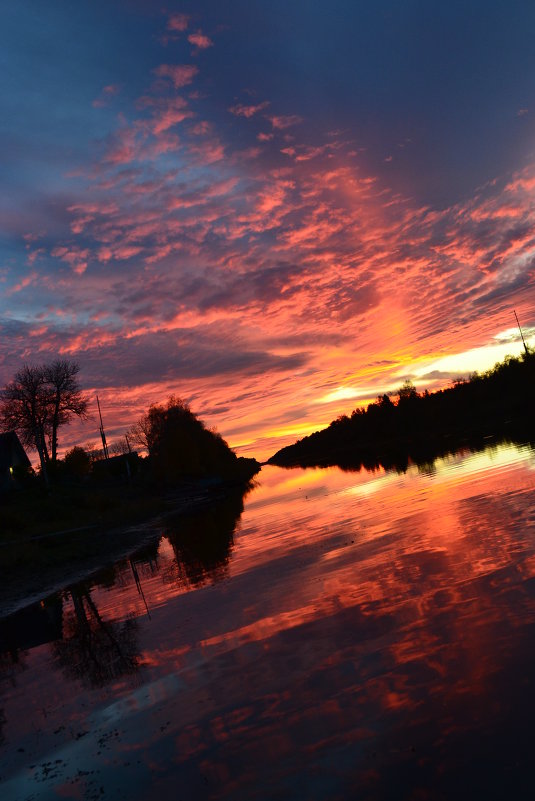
41, 399
183, 459
420, 426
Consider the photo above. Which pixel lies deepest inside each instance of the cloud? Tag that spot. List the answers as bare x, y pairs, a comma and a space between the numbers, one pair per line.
281, 122
180, 74
178, 22
200, 40
248, 111
252, 276
106, 95
75, 257
166, 112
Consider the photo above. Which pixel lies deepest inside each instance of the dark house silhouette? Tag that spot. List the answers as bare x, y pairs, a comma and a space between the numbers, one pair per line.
12, 457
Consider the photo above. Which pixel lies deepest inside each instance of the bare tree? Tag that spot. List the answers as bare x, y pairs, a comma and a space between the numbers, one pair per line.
25, 405
37, 401
140, 432
66, 401
119, 447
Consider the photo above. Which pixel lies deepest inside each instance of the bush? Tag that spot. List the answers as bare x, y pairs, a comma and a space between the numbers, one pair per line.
180, 445
78, 462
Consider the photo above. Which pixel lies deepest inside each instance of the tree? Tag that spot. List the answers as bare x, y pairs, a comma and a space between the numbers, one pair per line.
38, 400
119, 447
407, 391
66, 398
178, 442
78, 462
139, 433
25, 405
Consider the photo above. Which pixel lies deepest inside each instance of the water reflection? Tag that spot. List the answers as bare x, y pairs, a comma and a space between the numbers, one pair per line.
96, 649
372, 638
32, 626
399, 457
203, 543
93, 650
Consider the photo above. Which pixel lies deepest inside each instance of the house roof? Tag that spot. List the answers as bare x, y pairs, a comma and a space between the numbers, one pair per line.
11, 451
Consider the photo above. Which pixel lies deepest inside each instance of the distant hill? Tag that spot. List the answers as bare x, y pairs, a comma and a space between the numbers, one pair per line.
418, 427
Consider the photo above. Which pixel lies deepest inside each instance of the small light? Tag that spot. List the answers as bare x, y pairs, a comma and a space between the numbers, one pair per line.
11, 470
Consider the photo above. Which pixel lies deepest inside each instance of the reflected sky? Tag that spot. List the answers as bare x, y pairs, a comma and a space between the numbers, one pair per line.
331, 635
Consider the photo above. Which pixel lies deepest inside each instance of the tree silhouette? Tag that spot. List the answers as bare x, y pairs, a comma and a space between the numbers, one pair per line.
419, 427
179, 444
25, 408
66, 398
92, 649
38, 400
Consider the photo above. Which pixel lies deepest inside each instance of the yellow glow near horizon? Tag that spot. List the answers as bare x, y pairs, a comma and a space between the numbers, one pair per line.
475, 359
340, 393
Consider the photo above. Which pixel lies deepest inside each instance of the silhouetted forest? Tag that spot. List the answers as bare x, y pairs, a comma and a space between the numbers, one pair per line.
417, 428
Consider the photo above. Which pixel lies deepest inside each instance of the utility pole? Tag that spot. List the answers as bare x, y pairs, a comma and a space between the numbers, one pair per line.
521, 335
102, 434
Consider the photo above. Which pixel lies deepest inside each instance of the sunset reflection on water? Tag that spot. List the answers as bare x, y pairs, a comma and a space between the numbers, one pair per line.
346, 635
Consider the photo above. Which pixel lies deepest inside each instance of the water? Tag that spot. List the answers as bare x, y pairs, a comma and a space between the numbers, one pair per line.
345, 636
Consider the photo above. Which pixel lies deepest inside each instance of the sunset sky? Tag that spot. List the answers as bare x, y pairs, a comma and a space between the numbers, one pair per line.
275, 209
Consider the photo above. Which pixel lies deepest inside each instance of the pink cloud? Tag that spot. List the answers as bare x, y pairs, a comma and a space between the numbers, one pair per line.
76, 258
202, 128
124, 146
207, 152
164, 142
281, 122
169, 112
242, 110
106, 95
200, 41
28, 280
278, 249
33, 255
180, 74
177, 22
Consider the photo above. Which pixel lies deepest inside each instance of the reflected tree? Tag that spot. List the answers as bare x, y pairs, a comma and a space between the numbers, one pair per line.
203, 543
93, 650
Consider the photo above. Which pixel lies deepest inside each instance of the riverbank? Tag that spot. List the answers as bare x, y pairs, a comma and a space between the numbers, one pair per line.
39, 564
418, 427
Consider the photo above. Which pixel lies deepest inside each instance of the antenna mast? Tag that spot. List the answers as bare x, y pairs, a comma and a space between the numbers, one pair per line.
102, 434
522, 335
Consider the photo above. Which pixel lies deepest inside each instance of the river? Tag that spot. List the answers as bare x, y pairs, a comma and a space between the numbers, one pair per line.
331, 635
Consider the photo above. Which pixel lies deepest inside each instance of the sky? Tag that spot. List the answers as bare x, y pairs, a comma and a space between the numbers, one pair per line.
273, 210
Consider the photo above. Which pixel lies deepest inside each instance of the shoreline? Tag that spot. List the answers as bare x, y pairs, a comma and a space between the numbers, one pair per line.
30, 583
